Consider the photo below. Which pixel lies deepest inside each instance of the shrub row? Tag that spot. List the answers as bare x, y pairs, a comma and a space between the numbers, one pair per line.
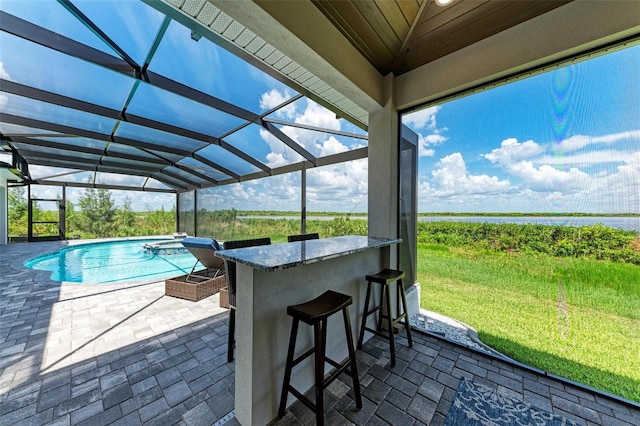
278, 229
594, 241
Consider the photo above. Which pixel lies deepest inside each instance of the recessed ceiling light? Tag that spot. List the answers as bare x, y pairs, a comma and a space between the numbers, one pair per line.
443, 2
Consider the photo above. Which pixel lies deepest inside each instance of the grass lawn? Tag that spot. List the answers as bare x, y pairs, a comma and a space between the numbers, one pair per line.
576, 318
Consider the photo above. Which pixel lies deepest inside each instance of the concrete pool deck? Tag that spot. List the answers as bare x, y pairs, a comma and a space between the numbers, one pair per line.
126, 354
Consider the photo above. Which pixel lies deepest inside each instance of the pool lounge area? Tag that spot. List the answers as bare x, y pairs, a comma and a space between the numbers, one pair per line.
127, 354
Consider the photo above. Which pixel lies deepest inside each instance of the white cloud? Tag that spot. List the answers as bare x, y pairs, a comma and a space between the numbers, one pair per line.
39, 172
586, 158
276, 159
511, 151
549, 178
618, 190
574, 143
427, 152
578, 142
339, 187
421, 119
318, 116
425, 119
273, 98
615, 191
559, 173
452, 178
280, 154
331, 146
318, 143
3, 73
6, 157
281, 192
430, 140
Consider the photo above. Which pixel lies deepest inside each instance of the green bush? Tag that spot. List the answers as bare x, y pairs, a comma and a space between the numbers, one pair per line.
595, 241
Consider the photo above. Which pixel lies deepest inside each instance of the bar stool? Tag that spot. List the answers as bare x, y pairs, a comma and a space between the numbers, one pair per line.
303, 237
230, 268
315, 313
385, 278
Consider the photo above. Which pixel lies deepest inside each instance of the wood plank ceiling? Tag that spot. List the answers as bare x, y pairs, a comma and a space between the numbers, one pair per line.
400, 35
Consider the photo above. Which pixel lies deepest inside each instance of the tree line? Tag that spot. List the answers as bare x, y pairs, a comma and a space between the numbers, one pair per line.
594, 241
94, 216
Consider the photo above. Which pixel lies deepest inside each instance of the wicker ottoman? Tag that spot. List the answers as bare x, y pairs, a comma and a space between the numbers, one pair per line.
179, 287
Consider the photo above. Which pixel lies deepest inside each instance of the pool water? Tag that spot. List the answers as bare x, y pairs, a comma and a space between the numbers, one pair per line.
112, 261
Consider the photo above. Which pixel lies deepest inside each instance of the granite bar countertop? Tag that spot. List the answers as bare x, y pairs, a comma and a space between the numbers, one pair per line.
289, 255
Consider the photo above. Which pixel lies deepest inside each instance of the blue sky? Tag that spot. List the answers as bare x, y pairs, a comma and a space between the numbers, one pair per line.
201, 65
567, 140
563, 141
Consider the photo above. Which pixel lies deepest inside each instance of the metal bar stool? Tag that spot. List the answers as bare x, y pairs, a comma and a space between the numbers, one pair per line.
315, 313
385, 278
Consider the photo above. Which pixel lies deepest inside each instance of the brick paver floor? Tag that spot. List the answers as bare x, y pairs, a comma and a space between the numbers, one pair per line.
127, 354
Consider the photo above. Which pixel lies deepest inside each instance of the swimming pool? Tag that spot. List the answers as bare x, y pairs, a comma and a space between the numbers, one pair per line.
113, 261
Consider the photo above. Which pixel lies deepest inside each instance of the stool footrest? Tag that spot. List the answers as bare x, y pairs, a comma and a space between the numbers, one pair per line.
340, 368
302, 357
395, 321
377, 308
306, 401
333, 363
330, 377
377, 332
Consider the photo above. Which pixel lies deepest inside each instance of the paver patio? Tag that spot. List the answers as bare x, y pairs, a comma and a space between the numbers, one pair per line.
127, 354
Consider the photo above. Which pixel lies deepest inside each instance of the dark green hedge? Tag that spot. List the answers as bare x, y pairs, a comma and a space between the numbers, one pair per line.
595, 241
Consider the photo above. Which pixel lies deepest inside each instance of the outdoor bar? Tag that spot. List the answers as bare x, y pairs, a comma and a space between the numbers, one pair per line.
272, 277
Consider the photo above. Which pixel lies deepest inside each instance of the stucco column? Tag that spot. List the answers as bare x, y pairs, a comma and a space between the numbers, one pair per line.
383, 169
384, 197
4, 231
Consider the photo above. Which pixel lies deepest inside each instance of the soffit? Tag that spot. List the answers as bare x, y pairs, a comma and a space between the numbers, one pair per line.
241, 40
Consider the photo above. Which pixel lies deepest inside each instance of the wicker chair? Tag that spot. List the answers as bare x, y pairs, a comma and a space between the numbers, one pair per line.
231, 282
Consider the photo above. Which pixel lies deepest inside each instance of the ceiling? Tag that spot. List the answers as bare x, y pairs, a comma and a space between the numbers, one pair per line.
399, 36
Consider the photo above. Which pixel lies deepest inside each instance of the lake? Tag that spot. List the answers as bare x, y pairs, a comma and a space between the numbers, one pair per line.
626, 223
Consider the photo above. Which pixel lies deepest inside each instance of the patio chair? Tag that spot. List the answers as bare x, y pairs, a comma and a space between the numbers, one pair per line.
303, 237
230, 268
204, 250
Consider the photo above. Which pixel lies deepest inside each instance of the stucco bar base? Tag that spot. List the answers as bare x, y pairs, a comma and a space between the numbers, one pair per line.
263, 326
